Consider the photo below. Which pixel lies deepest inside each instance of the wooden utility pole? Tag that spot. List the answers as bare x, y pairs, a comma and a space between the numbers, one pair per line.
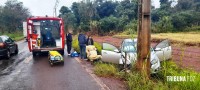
144, 37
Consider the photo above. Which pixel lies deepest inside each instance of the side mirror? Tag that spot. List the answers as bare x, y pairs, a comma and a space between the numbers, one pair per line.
157, 49
116, 50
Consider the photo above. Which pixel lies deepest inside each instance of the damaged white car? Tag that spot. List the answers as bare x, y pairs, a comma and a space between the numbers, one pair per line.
111, 54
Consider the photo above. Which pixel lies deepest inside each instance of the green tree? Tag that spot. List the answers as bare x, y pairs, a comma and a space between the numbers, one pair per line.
184, 5
163, 1
164, 25
68, 17
12, 16
64, 10
185, 19
127, 8
103, 16
1, 20
106, 9
69, 21
75, 9
164, 10
108, 24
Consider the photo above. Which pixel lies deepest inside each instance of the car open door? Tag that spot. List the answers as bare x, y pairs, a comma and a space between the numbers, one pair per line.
163, 50
110, 53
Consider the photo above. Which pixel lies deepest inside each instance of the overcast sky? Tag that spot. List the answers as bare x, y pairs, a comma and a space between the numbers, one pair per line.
45, 7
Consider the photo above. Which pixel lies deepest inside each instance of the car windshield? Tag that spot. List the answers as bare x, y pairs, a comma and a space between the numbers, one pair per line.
129, 47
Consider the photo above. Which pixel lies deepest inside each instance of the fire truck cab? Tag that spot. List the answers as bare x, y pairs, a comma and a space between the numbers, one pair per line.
45, 34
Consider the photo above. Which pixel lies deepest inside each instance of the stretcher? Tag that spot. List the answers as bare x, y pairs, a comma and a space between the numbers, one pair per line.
92, 53
55, 57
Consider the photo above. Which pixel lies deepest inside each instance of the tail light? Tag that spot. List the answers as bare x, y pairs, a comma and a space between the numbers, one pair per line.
2, 45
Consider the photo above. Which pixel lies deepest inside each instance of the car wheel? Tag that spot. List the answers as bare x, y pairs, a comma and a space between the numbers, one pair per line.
8, 54
16, 51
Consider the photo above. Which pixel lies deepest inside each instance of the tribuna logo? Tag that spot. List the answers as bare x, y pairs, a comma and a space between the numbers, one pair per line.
180, 78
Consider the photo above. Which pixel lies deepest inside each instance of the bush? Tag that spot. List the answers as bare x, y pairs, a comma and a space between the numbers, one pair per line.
75, 45
131, 28
163, 26
193, 28
98, 46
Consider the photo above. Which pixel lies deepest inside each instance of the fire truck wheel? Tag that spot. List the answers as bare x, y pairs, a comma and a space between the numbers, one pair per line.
34, 54
62, 63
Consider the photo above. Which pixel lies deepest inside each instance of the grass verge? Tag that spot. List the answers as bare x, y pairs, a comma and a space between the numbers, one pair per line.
169, 68
136, 81
105, 70
15, 36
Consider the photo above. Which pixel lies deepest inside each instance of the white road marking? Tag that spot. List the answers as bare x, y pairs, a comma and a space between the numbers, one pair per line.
102, 85
18, 71
22, 50
28, 59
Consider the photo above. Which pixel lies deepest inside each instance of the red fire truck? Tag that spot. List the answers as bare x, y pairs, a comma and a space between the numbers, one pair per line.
45, 34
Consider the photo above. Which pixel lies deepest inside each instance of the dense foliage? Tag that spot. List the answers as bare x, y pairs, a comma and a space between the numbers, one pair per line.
99, 16
12, 15
176, 16
107, 16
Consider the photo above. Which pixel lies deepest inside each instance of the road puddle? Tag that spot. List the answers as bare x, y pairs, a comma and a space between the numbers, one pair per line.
5, 64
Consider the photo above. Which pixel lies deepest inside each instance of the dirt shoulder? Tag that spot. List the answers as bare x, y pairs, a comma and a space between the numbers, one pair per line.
184, 56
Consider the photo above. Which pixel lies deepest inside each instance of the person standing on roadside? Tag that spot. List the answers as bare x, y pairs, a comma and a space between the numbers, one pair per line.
69, 42
90, 41
82, 44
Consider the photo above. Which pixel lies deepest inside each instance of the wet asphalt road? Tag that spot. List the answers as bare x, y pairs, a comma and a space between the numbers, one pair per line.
23, 72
